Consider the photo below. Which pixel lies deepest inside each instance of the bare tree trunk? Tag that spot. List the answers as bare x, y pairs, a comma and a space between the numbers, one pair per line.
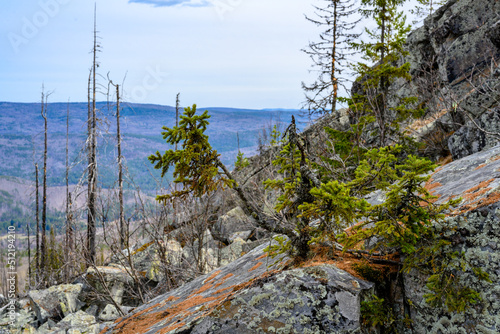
177, 107
123, 234
43, 259
69, 228
37, 218
92, 174
383, 83
334, 55
29, 253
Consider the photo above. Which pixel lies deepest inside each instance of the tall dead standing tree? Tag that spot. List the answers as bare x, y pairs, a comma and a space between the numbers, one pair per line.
69, 227
92, 159
123, 228
37, 218
43, 256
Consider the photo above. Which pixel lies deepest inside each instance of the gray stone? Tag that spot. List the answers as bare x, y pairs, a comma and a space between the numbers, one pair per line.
92, 310
109, 313
476, 136
232, 252
244, 235
453, 61
79, 323
251, 295
21, 319
117, 279
233, 221
56, 301
475, 230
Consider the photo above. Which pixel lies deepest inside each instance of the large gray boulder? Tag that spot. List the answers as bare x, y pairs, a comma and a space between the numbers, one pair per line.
115, 281
454, 62
475, 224
454, 49
252, 295
477, 135
233, 221
56, 302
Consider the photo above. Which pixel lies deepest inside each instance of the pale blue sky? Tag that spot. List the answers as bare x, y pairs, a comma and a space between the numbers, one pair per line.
227, 53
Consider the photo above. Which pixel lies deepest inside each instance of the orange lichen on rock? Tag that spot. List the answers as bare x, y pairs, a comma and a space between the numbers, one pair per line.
255, 267
477, 197
137, 323
430, 185
477, 191
223, 279
211, 277
347, 261
263, 256
172, 327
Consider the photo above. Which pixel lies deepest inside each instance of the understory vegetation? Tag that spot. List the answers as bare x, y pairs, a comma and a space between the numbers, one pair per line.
355, 184
323, 187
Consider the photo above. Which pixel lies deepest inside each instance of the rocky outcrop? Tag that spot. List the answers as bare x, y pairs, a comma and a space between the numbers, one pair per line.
475, 231
476, 135
454, 49
253, 295
454, 63
56, 301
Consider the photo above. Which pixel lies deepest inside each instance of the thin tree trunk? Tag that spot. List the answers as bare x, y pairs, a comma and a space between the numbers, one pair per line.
29, 254
37, 218
92, 180
44, 194
383, 81
334, 57
69, 228
123, 234
177, 107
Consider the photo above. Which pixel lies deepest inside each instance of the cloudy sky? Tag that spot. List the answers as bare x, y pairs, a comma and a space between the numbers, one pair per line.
227, 53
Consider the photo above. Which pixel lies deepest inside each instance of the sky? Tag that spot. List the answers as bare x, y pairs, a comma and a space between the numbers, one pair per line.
216, 53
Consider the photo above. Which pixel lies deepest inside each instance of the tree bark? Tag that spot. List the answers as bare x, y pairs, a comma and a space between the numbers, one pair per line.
43, 259
123, 232
92, 174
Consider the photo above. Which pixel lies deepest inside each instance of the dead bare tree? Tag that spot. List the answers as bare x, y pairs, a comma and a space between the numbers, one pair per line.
92, 157
69, 224
43, 256
37, 219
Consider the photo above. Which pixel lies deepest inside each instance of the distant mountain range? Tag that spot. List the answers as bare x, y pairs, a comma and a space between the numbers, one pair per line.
21, 138
21, 145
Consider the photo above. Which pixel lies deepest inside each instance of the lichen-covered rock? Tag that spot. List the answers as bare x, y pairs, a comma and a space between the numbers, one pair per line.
244, 235
233, 221
252, 295
117, 279
476, 136
475, 231
18, 321
57, 301
456, 42
321, 299
453, 61
77, 323
232, 252
109, 313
